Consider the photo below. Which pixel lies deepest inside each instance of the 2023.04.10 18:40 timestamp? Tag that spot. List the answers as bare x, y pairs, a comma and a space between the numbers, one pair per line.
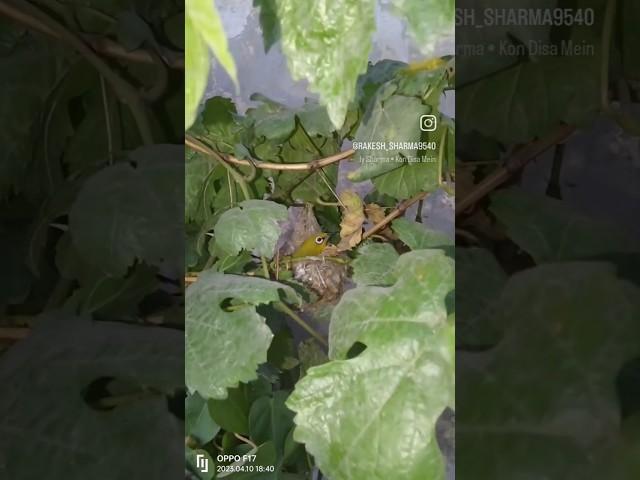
234, 468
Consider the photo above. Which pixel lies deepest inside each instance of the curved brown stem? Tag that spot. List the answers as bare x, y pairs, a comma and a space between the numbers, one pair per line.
194, 144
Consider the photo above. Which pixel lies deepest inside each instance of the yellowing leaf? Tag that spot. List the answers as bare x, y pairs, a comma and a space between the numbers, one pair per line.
352, 220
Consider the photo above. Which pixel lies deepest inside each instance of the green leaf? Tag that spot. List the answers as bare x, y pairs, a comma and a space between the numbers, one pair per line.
198, 422
549, 230
417, 236
269, 22
424, 278
206, 21
568, 329
516, 105
374, 264
428, 20
219, 119
270, 420
327, 42
197, 71
225, 347
231, 413
376, 75
199, 195
124, 213
408, 363
408, 180
395, 119
45, 379
252, 226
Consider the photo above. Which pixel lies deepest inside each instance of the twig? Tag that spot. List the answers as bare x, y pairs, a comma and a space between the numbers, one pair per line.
192, 143
107, 119
514, 164
399, 210
23, 11
282, 307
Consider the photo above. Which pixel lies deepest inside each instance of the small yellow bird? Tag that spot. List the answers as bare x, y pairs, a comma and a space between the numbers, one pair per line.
312, 246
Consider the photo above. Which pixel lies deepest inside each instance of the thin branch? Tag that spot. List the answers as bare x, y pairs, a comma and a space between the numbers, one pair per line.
194, 144
103, 45
399, 210
107, 119
514, 164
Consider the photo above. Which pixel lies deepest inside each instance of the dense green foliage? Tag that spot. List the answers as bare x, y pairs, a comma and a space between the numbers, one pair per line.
274, 367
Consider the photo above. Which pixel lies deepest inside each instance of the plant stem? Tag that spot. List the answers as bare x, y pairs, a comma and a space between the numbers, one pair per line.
282, 307
193, 143
107, 120
517, 161
265, 267
399, 210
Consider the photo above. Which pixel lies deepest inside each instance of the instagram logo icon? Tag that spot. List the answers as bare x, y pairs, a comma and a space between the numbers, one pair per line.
428, 123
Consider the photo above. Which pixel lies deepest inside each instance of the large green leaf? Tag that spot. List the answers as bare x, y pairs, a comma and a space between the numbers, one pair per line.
252, 226
424, 278
197, 65
549, 230
44, 403
205, 19
384, 403
327, 42
124, 213
374, 264
518, 104
568, 328
395, 119
225, 347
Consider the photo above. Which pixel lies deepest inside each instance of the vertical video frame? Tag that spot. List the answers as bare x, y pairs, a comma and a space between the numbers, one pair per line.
319, 220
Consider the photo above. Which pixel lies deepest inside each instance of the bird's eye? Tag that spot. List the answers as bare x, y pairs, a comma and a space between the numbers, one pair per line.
319, 240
